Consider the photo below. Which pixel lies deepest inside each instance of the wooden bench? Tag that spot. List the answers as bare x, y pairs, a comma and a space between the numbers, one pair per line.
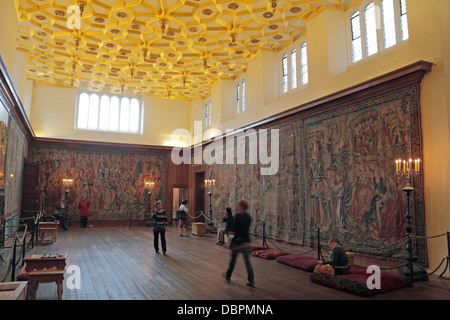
43, 276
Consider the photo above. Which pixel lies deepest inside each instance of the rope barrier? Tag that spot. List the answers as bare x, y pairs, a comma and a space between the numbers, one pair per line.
390, 246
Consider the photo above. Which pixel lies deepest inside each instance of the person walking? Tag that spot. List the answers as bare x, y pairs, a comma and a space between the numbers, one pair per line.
159, 227
241, 242
60, 206
183, 211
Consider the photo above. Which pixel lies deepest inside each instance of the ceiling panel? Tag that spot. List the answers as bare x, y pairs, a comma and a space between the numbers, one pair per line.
167, 48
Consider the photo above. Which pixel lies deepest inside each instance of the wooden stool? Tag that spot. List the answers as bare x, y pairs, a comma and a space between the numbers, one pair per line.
198, 229
42, 276
53, 231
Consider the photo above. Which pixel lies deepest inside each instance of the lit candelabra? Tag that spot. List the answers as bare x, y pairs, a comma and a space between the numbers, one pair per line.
67, 184
408, 169
210, 183
149, 186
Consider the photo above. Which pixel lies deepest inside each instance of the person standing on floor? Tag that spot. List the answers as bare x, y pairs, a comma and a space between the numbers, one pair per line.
159, 227
182, 217
60, 206
83, 205
241, 242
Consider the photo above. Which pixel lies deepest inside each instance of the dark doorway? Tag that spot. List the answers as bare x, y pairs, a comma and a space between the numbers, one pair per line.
30, 192
199, 196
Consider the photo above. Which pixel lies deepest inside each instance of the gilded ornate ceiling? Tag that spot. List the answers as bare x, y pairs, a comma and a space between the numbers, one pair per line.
168, 48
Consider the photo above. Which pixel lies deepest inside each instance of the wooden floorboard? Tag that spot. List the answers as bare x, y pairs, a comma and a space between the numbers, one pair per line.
119, 263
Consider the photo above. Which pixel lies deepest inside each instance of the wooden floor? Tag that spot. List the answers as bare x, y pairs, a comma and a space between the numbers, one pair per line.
119, 263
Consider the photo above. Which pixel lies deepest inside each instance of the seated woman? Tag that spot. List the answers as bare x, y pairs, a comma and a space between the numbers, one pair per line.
338, 257
223, 233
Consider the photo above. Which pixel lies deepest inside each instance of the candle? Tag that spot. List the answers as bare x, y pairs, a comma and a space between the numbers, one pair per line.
396, 165
418, 165
404, 165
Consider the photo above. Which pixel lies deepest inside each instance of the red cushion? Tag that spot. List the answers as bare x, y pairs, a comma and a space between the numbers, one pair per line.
256, 247
298, 261
268, 253
356, 282
23, 275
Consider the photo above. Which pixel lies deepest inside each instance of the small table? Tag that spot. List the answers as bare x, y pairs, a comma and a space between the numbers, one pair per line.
198, 229
35, 265
41, 261
48, 227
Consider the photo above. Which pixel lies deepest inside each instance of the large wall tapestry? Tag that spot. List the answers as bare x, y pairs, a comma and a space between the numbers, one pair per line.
351, 188
4, 116
336, 171
14, 170
114, 182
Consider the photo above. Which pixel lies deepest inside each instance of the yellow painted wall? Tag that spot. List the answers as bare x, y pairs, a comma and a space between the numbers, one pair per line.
8, 34
429, 28
52, 111
53, 116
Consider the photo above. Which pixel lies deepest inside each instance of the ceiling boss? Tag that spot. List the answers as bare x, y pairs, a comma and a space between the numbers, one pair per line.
166, 48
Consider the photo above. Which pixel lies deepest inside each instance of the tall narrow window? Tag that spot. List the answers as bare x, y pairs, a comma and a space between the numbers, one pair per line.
293, 68
356, 37
390, 37
93, 111
124, 114
371, 29
104, 112
209, 113
134, 115
83, 111
238, 98
284, 64
206, 115
114, 111
304, 64
404, 20
243, 95
109, 113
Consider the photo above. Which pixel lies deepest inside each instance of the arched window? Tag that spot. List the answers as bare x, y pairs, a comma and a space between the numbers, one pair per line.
404, 20
238, 97
293, 70
377, 26
356, 37
284, 64
241, 95
390, 35
304, 64
371, 29
109, 113
207, 114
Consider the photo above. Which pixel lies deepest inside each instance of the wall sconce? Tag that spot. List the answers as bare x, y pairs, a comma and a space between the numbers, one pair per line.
149, 186
210, 183
67, 183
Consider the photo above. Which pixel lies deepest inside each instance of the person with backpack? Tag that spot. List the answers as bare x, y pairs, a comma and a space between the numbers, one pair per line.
182, 218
